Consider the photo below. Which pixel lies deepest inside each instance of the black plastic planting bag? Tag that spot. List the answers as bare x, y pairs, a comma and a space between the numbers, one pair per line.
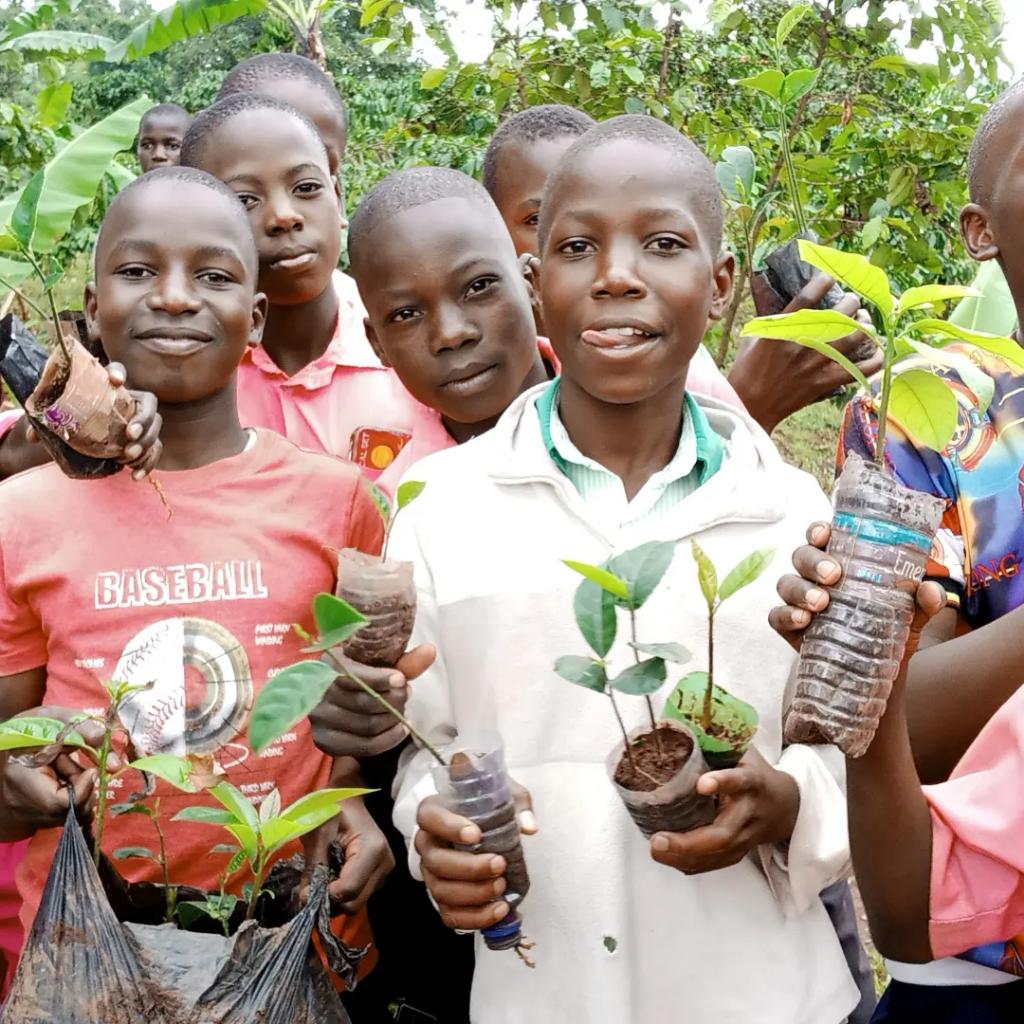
81, 965
22, 359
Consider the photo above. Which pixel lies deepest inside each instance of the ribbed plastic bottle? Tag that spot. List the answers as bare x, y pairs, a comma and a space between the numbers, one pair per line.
882, 533
475, 784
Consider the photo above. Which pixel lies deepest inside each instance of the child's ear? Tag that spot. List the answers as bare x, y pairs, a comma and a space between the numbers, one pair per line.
724, 271
259, 318
977, 233
371, 337
89, 305
529, 267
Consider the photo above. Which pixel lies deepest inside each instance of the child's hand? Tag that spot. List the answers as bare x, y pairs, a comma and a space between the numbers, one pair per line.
368, 857
467, 887
142, 452
805, 594
348, 722
38, 797
758, 805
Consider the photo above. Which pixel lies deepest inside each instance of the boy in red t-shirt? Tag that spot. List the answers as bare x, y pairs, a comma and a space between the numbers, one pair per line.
201, 602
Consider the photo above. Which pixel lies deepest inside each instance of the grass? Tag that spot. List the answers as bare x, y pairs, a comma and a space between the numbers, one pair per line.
808, 439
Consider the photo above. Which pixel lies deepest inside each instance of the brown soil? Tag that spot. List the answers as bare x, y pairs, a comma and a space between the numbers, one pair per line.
654, 767
736, 738
53, 387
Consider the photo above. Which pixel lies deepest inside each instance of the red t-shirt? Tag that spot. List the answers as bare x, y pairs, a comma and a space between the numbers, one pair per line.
97, 582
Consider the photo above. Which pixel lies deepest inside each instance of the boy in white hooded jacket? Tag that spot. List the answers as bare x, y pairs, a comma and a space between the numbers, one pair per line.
722, 924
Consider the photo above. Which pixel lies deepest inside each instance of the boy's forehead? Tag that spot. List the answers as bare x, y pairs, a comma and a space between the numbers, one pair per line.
165, 122
311, 100
253, 141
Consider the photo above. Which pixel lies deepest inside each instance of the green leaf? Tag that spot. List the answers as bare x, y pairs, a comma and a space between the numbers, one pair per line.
973, 376
925, 407
23, 218
57, 43
53, 102
286, 699
128, 852
1005, 348
247, 839
735, 172
371, 10
789, 21
73, 176
583, 672
233, 800
743, 574
180, 21
602, 577
205, 815
992, 312
172, 769
642, 679
668, 652
225, 848
706, 574
306, 815
189, 912
380, 499
409, 492
769, 82
929, 294
331, 613
270, 806
799, 83
643, 568
822, 325
853, 271
235, 863
35, 731
12, 271
595, 616
121, 809
433, 77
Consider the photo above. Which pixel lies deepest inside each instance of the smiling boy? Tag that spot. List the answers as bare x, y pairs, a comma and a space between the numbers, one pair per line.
614, 453
249, 543
160, 133
314, 377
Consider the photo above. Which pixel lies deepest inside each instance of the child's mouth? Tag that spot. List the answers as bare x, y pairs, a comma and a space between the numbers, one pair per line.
173, 343
625, 338
298, 261
470, 378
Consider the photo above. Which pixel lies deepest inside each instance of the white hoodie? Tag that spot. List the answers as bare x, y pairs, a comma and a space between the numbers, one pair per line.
620, 939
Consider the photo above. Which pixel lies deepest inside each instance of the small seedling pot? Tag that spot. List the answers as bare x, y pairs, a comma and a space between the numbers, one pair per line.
383, 591
733, 721
674, 805
78, 403
882, 533
475, 784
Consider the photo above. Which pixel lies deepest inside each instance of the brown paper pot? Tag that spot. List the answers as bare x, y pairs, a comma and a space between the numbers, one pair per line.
674, 806
80, 405
386, 594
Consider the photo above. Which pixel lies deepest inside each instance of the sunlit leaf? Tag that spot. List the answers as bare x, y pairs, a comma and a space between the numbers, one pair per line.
789, 21
36, 731
433, 77
1005, 348
854, 271
584, 672
929, 294
172, 769
707, 575
58, 43
205, 815
925, 407
23, 217
743, 574
769, 82
643, 568
602, 577
409, 492
286, 699
235, 801
980, 383
799, 83
271, 806
735, 173
993, 311
53, 102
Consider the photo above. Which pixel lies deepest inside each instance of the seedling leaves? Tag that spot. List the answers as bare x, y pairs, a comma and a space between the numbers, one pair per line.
706, 574
822, 325
237, 803
127, 852
799, 83
735, 173
1005, 348
433, 77
271, 806
172, 769
929, 294
745, 572
23, 217
380, 499
669, 652
853, 270
926, 408
643, 568
583, 672
789, 21
976, 379
333, 614
205, 815
118, 809
642, 679
286, 699
602, 577
305, 815
225, 848
32, 731
595, 615
769, 82
409, 492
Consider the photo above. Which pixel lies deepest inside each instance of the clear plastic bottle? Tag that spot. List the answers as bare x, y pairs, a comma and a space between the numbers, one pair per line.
475, 784
882, 533
386, 594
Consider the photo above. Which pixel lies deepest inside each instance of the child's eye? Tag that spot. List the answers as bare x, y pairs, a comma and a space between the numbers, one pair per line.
402, 315
532, 221
309, 188
666, 244
481, 285
576, 247
216, 277
134, 273
248, 201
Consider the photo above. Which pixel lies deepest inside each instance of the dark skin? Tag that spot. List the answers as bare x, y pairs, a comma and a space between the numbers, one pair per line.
286, 186
892, 865
179, 309
774, 379
449, 310
160, 138
628, 246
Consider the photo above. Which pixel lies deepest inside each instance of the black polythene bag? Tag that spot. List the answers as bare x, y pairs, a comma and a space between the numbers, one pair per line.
81, 965
22, 359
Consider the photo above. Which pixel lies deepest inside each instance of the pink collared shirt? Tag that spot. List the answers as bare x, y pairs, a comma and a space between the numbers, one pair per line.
344, 403
977, 882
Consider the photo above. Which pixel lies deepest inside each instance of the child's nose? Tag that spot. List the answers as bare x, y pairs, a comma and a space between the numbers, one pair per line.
618, 276
282, 217
454, 330
173, 293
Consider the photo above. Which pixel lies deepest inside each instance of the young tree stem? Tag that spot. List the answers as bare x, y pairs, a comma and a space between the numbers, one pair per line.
622, 729
705, 718
647, 696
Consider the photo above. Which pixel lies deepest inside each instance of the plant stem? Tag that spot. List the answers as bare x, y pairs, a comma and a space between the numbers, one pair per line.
622, 729
883, 409
24, 298
787, 156
104, 780
647, 696
705, 718
416, 735
257, 882
27, 253
170, 891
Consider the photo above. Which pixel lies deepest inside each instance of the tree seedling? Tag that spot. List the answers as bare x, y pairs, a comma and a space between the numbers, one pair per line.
406, 494
723, 724
144, 853
625, 581
923, 403
296, 690
261, 832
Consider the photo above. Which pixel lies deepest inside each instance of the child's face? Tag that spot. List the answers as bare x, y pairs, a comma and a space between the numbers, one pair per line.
280, 173
629, 278
176, 307
160, 138
307, 99
448, 307
522, 172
